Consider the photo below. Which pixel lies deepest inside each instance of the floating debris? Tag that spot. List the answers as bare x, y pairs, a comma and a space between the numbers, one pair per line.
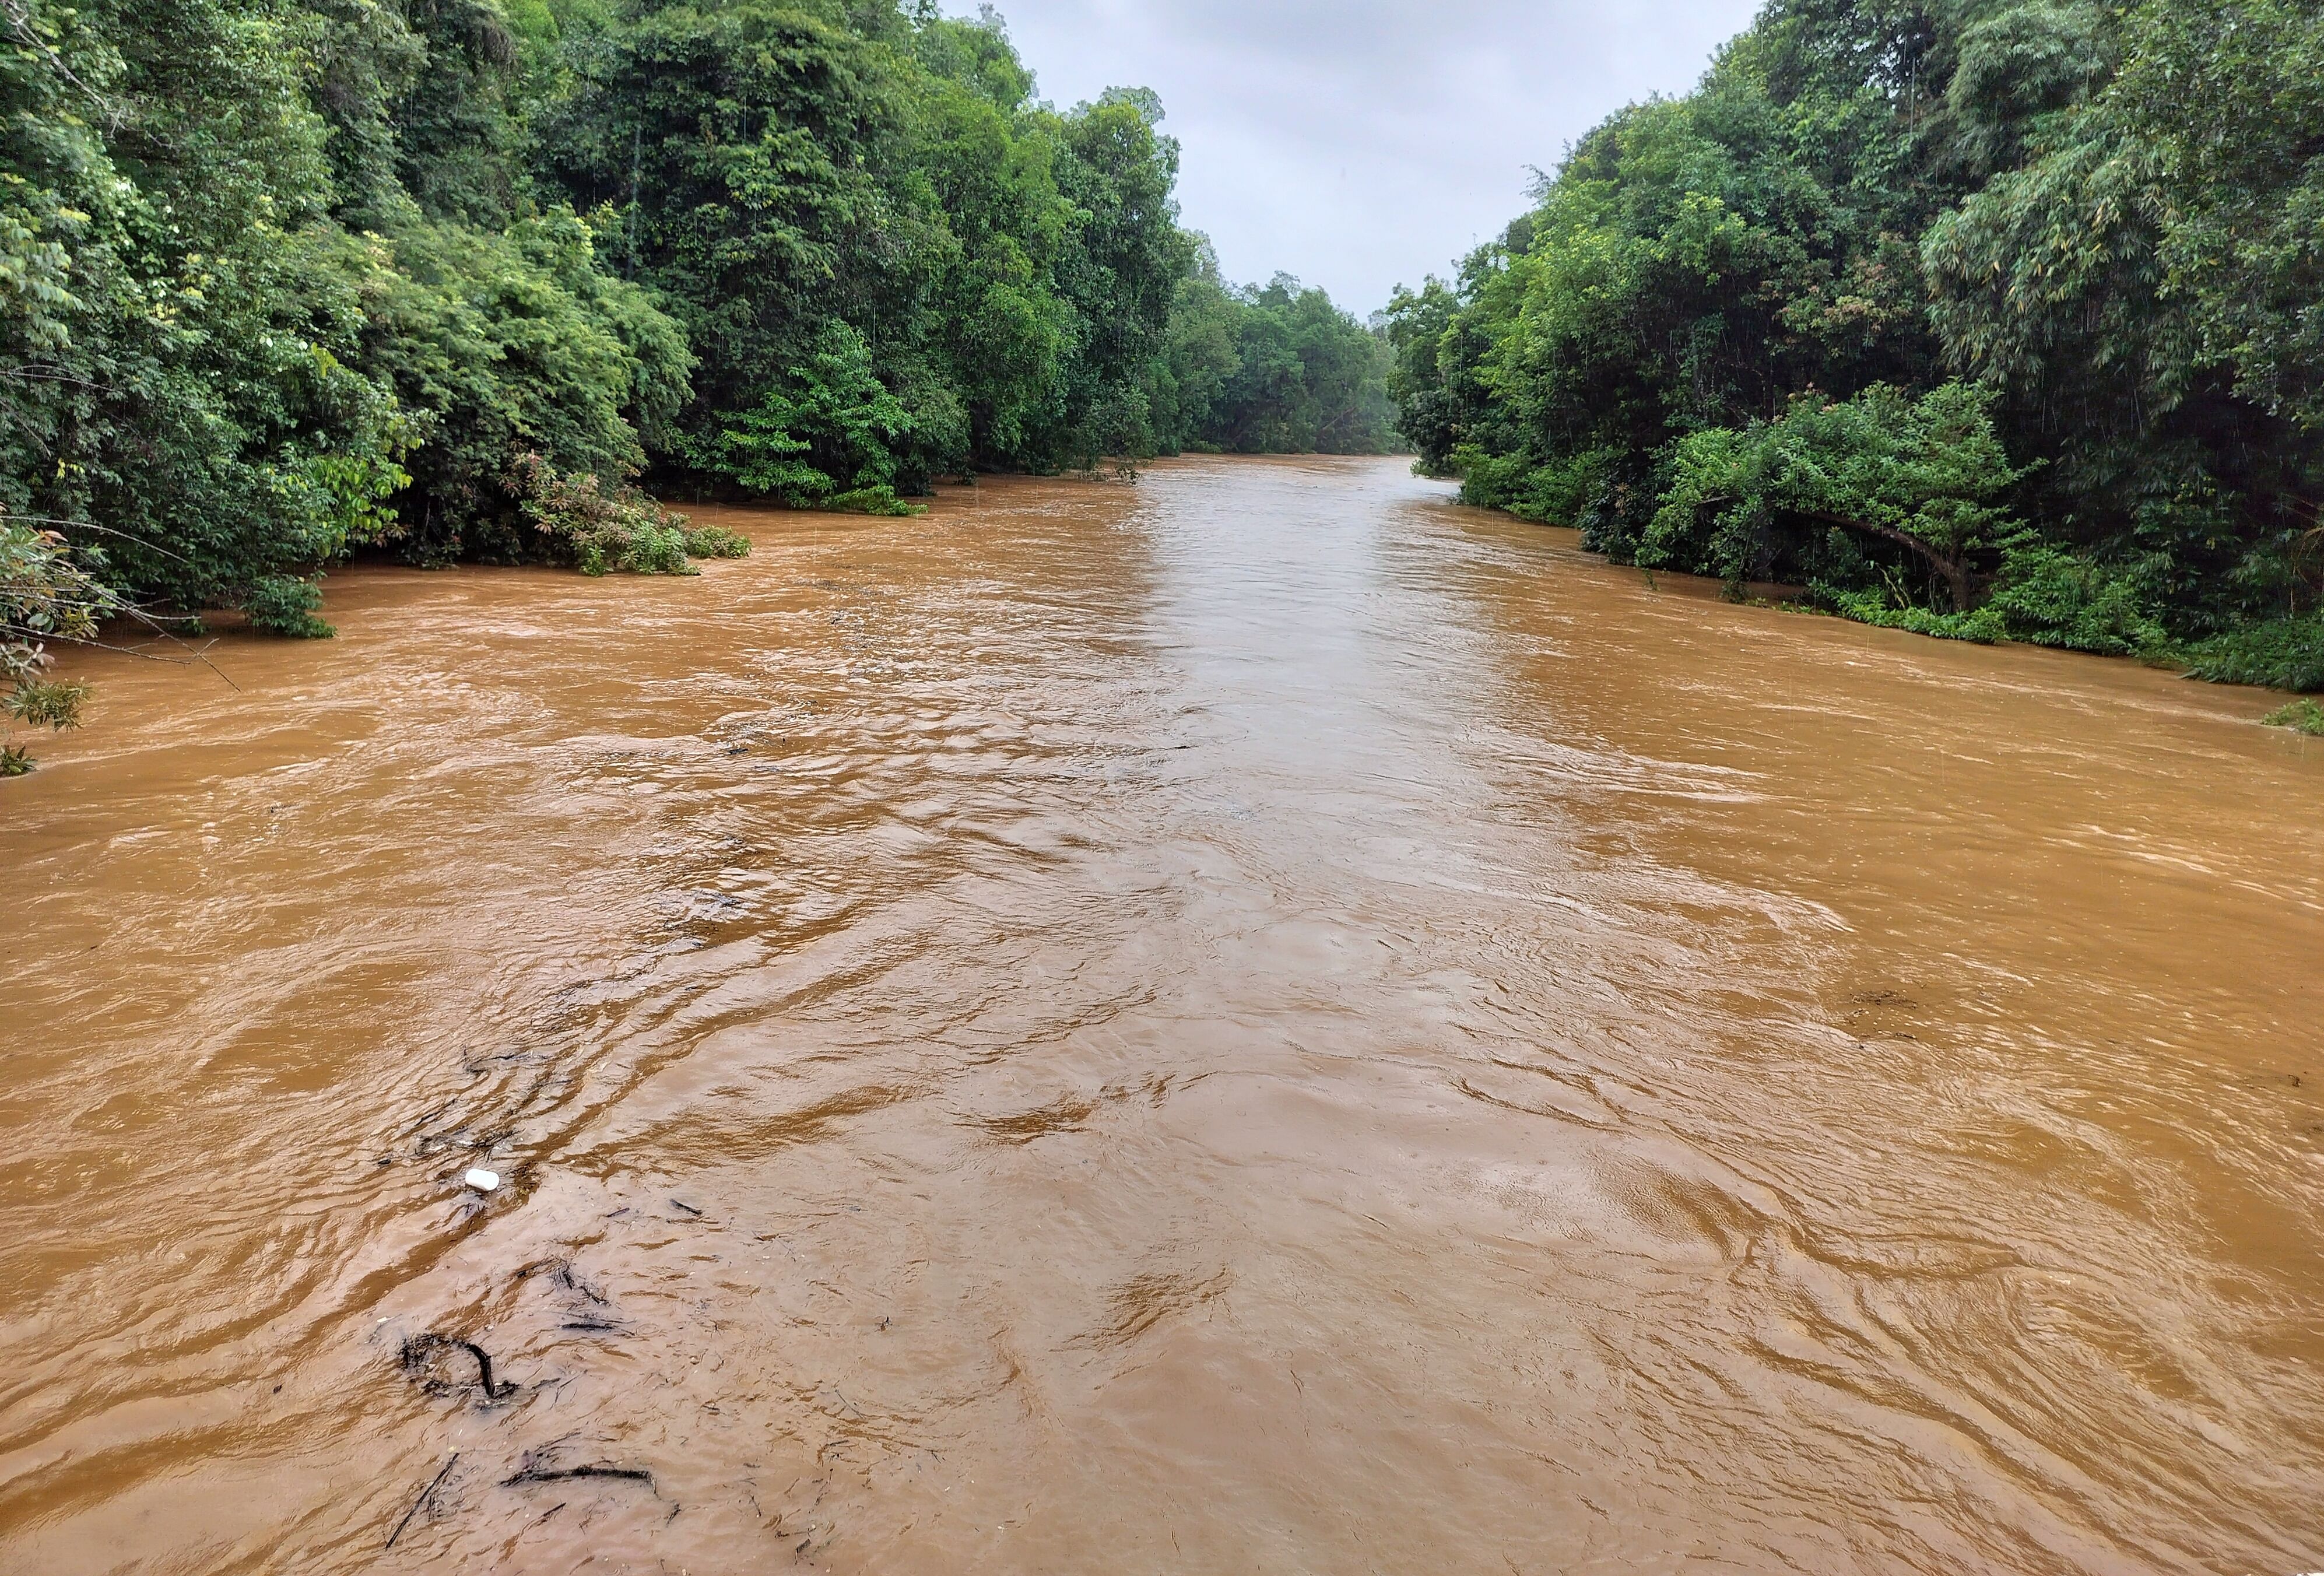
426, 1495
534, 1468
423, 1353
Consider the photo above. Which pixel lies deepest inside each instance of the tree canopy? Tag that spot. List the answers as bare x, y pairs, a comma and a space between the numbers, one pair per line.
1986, 317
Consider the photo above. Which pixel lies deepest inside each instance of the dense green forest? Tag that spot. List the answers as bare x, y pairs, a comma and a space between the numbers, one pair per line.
1278, 370
1987, 319
1990, 319
284, 279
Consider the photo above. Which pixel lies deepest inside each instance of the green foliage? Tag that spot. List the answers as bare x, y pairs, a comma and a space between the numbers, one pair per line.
2043, 596
2301, 716
280, 605
828, 436
734, 147
45, 595
2017, 64
1269, 371
715, 542
48, 704
2050, 596
1713, 342
808, 183
597, 530
503, 344
877, 500
2228, 97
182, 370
1923, 475
2285, 653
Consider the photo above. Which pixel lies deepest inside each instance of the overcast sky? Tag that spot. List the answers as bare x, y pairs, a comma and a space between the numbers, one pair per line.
1364, 144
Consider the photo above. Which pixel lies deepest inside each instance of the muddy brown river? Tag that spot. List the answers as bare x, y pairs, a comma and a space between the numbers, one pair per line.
1260, 1022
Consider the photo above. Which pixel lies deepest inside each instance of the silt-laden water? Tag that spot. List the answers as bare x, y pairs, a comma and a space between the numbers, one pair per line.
1258, 1022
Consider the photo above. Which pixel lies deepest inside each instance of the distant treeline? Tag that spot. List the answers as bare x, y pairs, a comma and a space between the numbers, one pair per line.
1988, 319
284, 279
1278, 370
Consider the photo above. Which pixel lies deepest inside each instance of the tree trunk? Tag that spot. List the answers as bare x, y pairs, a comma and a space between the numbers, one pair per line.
1958, 577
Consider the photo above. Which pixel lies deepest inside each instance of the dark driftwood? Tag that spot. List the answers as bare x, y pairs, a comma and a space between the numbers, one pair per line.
532, 1474
425, 1496
418, 1349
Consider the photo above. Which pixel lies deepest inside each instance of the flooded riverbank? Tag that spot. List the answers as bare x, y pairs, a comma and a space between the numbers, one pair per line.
1259, 1021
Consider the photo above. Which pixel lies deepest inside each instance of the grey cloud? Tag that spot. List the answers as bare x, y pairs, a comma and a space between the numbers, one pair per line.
1365, 144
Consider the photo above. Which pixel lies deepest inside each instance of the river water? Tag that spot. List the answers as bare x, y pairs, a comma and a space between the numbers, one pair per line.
1255, 1022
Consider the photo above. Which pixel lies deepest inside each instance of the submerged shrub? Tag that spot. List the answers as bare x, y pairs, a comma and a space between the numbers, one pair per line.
1984, 627
2048, 596
879, 500
45, 593
715, 542
598, 530
281, 604
1926, 476
39, 704
2301, 716
2043, 596
2285, 653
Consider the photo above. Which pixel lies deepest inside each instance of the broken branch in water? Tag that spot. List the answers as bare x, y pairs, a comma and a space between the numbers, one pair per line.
425, 1496
530, 1473
420, 1350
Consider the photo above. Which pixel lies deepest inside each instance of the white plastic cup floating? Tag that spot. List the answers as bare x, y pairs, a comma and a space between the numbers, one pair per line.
481, 1180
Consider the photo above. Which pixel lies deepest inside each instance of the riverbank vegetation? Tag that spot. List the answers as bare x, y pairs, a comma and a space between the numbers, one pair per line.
450, 279
1985, 319
45, 595
2301, 716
